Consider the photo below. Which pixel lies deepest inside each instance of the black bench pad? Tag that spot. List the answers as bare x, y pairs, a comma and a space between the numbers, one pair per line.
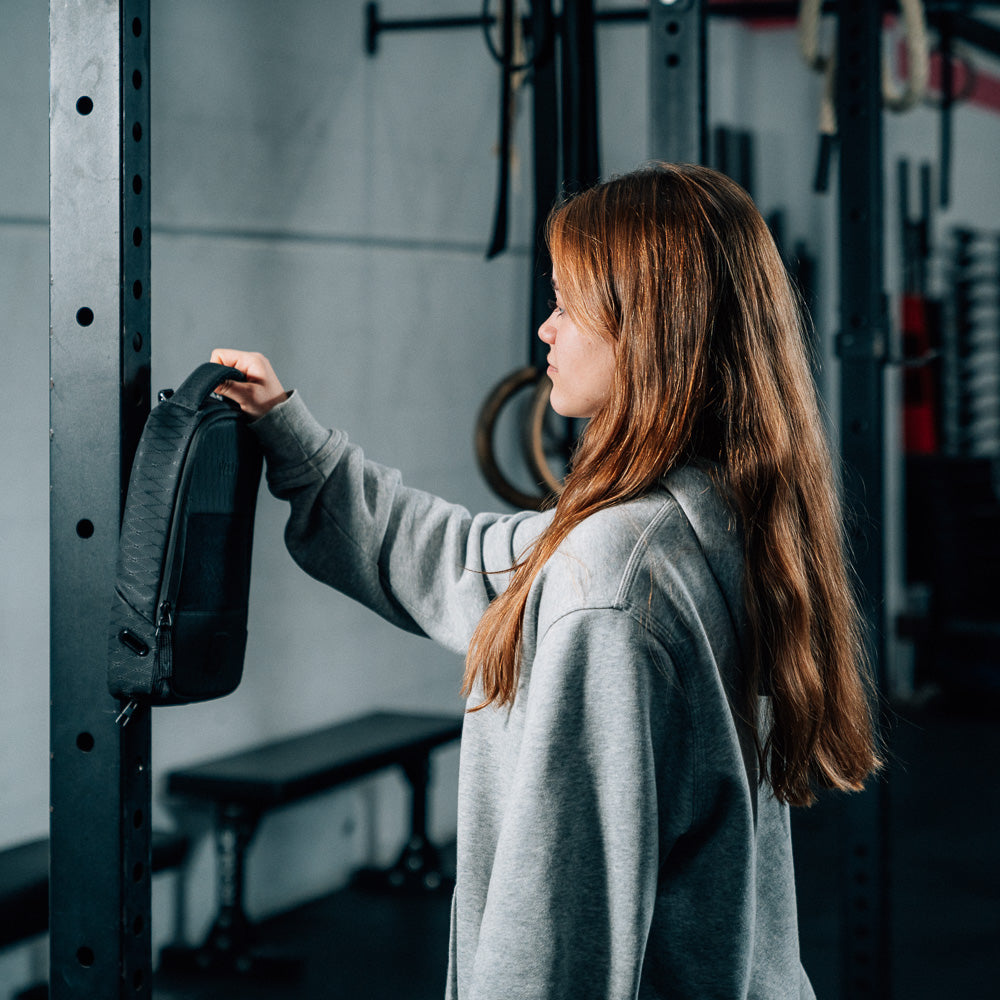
294, 768
24, 882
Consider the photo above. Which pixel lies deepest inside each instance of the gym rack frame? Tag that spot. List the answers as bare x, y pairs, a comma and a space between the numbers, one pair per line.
100, 790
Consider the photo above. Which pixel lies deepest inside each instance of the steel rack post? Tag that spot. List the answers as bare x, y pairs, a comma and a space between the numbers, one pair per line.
678, 99
861, 346
545, 165
100, 840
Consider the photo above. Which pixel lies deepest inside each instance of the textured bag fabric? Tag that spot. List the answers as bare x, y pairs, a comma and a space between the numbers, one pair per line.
178, 625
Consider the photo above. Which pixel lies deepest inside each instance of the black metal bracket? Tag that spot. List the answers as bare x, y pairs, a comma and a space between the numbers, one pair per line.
869, 346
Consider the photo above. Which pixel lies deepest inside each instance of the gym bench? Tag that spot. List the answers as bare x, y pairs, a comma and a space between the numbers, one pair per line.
24, 882
24, 889
246, 785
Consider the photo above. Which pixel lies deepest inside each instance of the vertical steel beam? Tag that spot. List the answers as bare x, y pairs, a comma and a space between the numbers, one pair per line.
861, 346
545, 107
678, 92
99, 396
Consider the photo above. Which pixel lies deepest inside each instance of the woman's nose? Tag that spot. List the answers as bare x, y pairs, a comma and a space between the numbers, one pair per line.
547, 331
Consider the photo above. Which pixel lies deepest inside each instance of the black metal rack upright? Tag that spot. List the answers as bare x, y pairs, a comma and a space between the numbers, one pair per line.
100, 840
678, 81
862, 347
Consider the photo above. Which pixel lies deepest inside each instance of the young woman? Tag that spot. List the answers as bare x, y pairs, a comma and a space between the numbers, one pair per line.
657, 668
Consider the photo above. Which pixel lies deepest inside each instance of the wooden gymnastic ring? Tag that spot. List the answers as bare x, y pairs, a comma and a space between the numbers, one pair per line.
499, 396
534, 443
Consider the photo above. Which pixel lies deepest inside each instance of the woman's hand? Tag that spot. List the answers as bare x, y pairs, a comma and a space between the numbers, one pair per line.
260, 392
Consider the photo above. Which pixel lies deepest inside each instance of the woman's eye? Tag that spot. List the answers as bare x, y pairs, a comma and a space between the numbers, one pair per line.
553, 305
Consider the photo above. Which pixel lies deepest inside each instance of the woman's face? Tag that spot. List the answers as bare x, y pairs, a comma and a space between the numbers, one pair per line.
581, 364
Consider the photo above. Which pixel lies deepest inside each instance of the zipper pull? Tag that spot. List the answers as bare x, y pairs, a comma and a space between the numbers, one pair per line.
125, 715
164, 618
164, 648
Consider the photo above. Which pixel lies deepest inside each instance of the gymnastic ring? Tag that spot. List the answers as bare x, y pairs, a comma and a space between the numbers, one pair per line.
534, 443
499, 396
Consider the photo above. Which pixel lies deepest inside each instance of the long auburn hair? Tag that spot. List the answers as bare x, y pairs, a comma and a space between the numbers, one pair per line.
674, 264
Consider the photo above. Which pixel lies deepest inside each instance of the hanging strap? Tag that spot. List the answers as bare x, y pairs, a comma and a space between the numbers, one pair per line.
498, 242
581, 167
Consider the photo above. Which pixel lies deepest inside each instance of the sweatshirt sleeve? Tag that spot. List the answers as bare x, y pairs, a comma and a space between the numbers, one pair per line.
423, 564
573, 887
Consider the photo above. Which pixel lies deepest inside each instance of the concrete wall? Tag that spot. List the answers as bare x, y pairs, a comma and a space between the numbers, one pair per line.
332, 210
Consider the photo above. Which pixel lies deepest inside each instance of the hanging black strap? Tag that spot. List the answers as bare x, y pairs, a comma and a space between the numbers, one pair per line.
499, 240
581, 166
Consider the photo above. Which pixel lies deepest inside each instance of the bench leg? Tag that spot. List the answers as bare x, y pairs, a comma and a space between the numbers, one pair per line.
418, 868
229, 946
230, 934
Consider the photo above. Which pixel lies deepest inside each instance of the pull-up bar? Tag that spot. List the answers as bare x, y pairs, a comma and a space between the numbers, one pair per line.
960, 23
375, 24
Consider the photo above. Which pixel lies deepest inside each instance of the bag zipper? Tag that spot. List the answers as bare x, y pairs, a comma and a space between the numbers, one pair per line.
164, 648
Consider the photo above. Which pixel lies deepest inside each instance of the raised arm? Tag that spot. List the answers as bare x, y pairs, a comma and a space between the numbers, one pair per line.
423, 564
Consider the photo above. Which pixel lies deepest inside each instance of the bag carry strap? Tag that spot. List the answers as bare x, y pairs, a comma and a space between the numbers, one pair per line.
200, 384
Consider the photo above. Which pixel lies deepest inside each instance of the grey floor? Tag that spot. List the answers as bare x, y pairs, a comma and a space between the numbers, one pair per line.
944, 835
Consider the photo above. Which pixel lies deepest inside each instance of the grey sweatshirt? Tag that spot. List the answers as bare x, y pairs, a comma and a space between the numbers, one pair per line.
613, 841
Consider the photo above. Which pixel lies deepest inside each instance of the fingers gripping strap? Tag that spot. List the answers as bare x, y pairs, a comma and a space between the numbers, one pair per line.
199, 385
